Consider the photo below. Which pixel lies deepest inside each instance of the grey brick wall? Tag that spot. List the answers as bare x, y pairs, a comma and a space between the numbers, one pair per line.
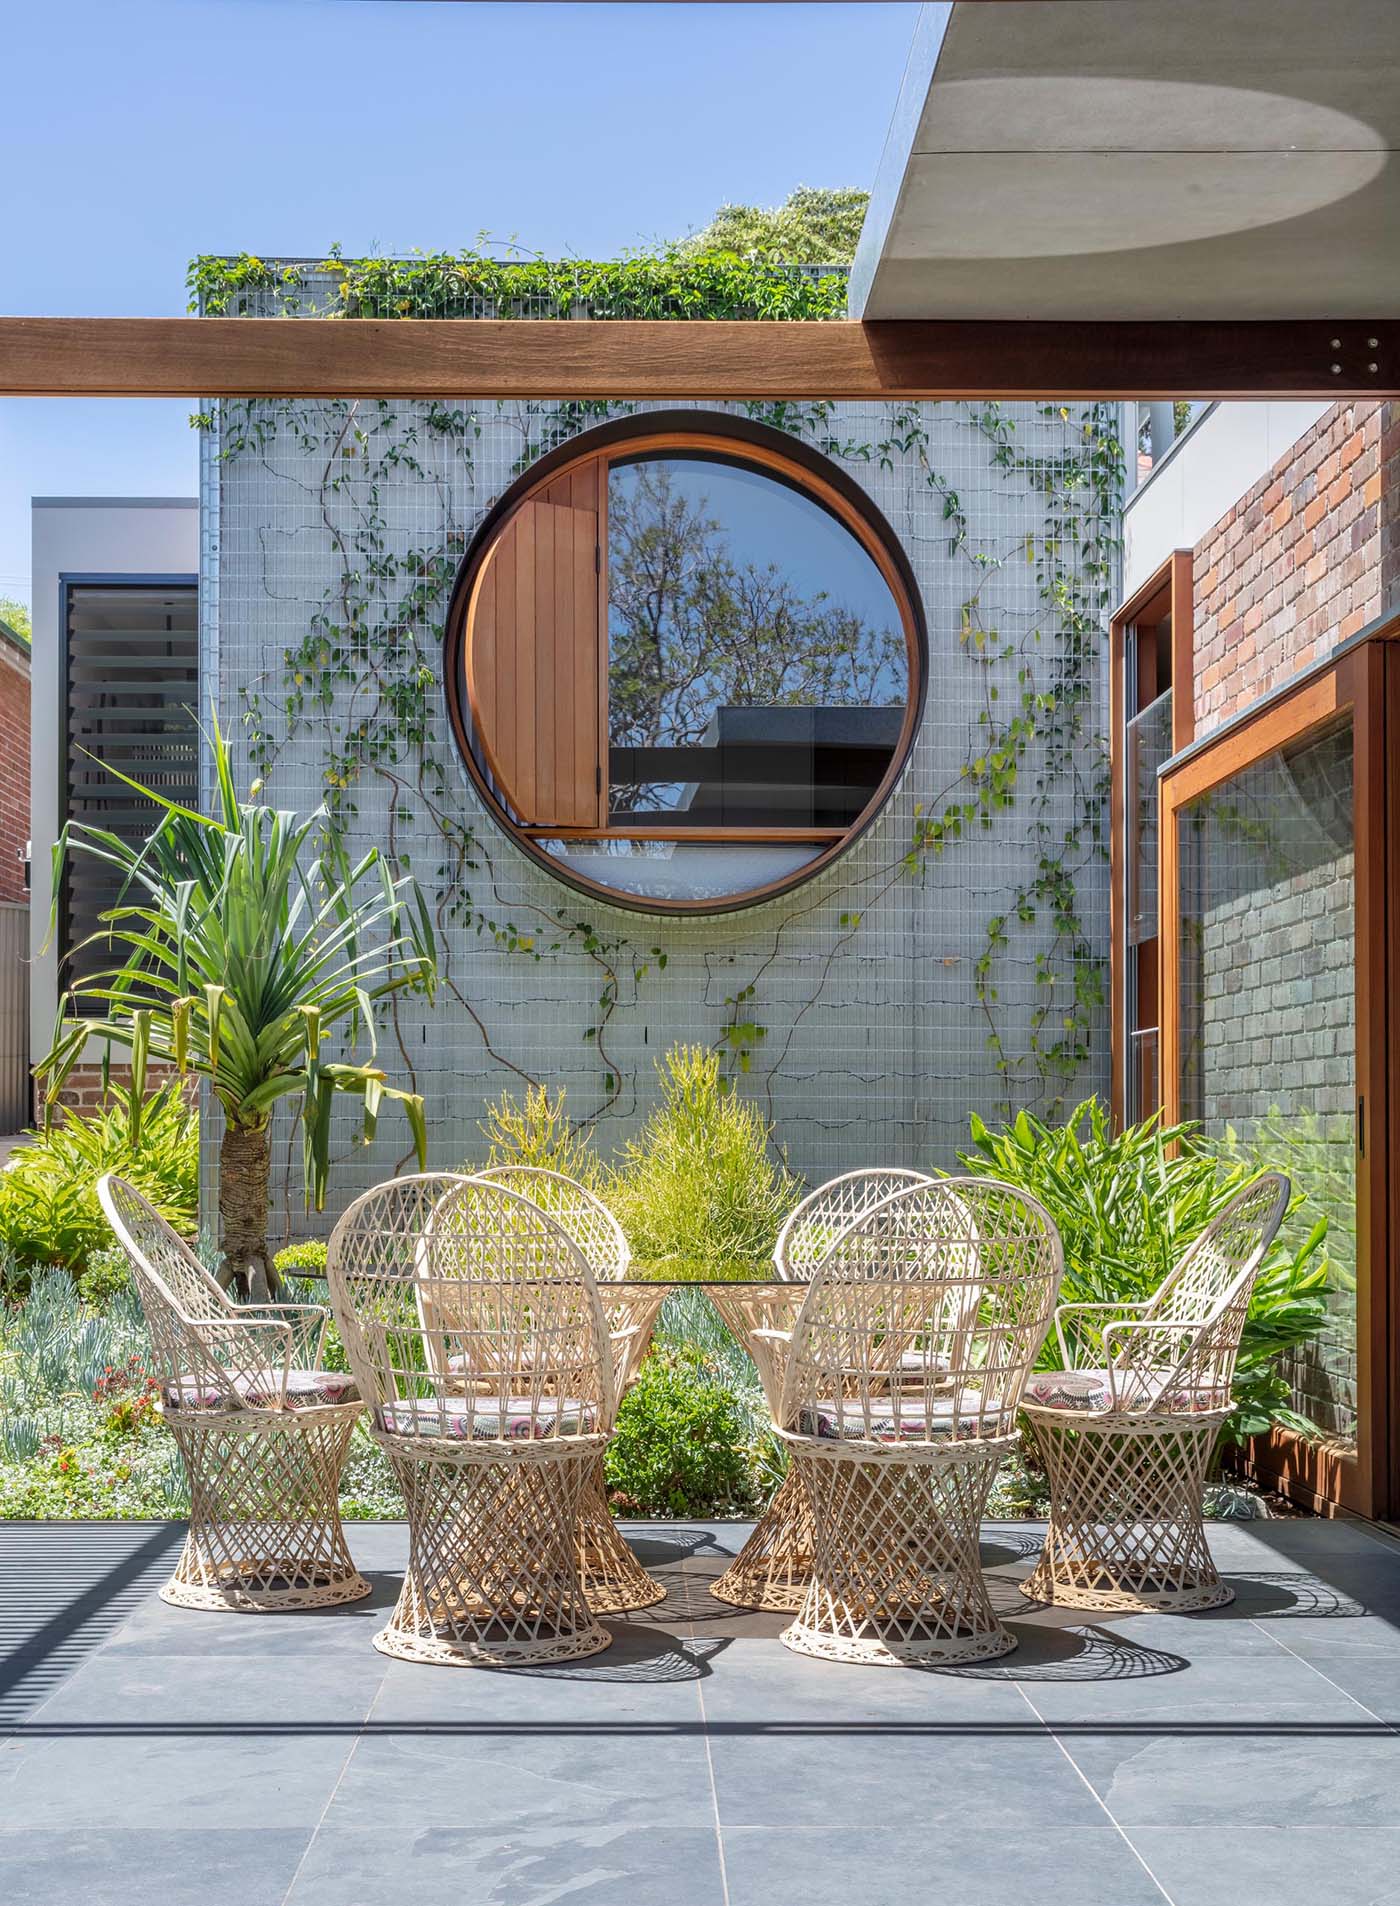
876, 1049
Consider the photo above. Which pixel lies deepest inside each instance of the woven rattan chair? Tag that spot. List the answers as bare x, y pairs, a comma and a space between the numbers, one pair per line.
1127, 1442
262, 1430
774, 1566
613, 1579
901, 1382
473, 1325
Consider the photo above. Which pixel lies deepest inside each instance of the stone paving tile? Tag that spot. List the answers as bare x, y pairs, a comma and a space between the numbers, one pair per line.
607, 1778
596, 1864
157, 1629
142, 1691
794, 1748
276, 1778
1277, 1862
892, 1862
1239, 1778
136, 1866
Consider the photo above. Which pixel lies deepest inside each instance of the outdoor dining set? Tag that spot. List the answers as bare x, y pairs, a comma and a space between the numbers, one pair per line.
491, 1328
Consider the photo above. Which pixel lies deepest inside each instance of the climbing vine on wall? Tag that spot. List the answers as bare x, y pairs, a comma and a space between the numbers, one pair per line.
368, 654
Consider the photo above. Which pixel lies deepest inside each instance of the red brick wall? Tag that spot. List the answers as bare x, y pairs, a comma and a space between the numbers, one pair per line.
1304, 559
82, 1089
14, 769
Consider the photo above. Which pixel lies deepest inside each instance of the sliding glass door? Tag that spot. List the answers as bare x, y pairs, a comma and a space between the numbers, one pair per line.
1274, 890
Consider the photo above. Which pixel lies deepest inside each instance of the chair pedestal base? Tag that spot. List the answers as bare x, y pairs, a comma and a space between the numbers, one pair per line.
614, 1581
896, 1571
774, 1566
1126, 1531
265, 1534
492, 1578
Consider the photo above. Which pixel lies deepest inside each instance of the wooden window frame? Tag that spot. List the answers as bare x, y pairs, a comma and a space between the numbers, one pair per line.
1171, 582
1351, 684
745, 444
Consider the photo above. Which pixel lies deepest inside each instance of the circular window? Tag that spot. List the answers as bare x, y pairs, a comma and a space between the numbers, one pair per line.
684, 662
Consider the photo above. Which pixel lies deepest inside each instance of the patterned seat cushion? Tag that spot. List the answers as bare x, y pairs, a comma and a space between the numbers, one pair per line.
849, 1421
520, 1421
1140, 1390
306, 1390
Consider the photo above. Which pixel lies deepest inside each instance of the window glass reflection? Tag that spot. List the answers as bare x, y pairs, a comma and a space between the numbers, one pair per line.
1268, 1001
758, 668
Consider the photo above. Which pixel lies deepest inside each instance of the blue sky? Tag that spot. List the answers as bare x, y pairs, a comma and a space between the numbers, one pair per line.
139, 132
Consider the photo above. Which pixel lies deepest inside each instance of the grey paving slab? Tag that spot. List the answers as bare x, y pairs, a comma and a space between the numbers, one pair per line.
157, 1629
619, 1777
1362, 1633
544, 1776
134, 1866
1217, 1689
1283, 1864
1242, 1776
644, 1676
141, 1692
64, 1589
224, 1777
824, 1866
1370, 1676
594, 1865
791, 1748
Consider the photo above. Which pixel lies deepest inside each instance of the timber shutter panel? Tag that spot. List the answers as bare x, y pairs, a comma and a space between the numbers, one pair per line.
534, 666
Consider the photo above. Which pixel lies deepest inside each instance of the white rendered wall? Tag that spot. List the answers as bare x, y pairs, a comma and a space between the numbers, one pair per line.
1203, 476
75, 537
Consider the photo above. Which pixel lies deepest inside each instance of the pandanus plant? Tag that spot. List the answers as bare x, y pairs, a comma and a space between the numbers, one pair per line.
244, 947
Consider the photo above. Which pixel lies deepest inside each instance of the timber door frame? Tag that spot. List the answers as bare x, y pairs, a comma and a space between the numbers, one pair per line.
1353, 684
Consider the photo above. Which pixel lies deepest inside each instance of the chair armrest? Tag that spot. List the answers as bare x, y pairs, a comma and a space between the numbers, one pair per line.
308, 1323
1088, 1310
247, 1358
1175, 1335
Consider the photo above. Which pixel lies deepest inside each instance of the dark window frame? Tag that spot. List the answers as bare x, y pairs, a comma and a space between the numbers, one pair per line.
68, 582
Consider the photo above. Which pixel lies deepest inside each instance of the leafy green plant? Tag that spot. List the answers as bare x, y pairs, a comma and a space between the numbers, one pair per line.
105, 1275
49, 1212
811, 227
538, 1131
674, 281
1129, 1203
242, 941
699, 1184
678, 1449
306, 1258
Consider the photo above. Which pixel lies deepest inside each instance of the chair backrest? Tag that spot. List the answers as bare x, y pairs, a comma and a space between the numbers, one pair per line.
459, 1300
924, 1319
1192, 1327
199, 1340
814, 1226
581, 1212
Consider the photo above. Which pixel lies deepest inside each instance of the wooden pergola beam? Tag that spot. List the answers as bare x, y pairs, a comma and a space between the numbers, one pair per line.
627, 358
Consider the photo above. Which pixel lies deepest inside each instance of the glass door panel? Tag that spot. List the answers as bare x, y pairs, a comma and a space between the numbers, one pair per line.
1268, 1011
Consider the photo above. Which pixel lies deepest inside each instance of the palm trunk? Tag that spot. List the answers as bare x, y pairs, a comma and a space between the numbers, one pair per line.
245, 1166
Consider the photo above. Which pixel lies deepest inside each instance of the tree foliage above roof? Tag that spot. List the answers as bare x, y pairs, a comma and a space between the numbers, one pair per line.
811, 227
15, 616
